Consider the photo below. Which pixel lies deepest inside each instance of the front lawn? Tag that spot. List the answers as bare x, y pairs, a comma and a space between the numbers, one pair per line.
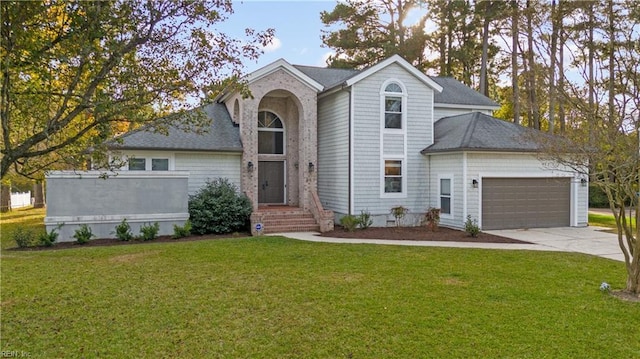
604, 220
274, 297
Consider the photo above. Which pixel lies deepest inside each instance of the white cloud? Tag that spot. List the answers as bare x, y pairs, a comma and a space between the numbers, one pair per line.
274, 45
325, 57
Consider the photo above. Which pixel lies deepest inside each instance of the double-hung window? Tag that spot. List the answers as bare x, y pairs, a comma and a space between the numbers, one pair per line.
393, 98
445, 196
392, 176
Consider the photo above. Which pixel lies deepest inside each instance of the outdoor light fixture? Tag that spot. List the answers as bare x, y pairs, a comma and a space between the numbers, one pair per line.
474, 183
583, 182
311, 166
250, 166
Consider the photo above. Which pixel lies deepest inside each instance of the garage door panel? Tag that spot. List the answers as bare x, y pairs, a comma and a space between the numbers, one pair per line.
525, 202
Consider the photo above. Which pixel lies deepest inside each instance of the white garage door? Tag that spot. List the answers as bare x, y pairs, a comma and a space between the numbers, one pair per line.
509, 203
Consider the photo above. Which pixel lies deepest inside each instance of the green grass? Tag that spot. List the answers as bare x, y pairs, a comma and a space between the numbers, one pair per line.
274, 297
23, 217
604, 220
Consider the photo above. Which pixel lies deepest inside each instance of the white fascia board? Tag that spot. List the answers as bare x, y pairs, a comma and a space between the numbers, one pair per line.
400, 61
282, 63
271, 68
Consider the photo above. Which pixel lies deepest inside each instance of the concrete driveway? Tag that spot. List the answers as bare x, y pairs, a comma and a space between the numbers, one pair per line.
588, 240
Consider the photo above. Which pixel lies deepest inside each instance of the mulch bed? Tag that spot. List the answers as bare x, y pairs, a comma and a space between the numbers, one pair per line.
392, 233
418, 234
103, 242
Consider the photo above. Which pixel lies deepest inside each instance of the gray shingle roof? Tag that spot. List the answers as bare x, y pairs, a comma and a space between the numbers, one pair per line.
222, 135
327, 77
480, 132
455, 92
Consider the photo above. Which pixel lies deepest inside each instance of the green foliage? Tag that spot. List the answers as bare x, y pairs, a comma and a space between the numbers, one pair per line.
597, 197
399, 212
123, 231
82, 71
182, 231
24, 237
219, 208
83, 234
471, 227
47, 239
364, 219
349, 222
367, 37
149, 232
433, 218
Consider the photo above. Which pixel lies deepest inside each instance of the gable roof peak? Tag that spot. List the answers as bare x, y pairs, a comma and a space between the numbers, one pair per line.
395, 59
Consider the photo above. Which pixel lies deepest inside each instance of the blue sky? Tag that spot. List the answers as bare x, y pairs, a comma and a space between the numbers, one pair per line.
297, 25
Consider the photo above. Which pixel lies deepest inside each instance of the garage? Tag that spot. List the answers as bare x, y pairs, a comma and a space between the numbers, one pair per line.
511, 203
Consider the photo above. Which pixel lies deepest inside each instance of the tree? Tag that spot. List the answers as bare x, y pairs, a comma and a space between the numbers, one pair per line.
75, 73
373, 31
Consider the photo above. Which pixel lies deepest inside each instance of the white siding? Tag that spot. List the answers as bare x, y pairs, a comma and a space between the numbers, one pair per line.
448, 166
368, 143
333, 152
440, 112
208, 166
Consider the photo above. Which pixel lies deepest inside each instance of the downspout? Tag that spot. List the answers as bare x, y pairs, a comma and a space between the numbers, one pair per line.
465, 186
351, 153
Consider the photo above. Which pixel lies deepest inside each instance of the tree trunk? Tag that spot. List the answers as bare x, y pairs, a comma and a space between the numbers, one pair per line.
514, 62
484, 87
552, 66
38, 195
612, 51
535, 109
560, 89
5, 197
591, 119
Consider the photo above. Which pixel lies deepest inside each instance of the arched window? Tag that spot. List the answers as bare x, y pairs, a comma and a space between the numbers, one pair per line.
270, 134
393, 106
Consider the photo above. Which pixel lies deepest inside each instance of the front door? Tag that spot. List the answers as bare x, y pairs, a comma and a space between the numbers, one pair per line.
271, 184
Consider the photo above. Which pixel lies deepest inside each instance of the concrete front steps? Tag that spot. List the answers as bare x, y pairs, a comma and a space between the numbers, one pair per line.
279, 219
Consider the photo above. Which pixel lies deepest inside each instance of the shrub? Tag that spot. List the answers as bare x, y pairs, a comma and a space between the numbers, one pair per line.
149, 232
433, 218
123, 231
83, 234
471, 227
181, 231
398, 213
349, 222
47, 239
24, 237
364, 219
219, 208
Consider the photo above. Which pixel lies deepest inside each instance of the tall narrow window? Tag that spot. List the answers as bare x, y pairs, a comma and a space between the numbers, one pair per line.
270, 134
445, 195
393, 106
392, 176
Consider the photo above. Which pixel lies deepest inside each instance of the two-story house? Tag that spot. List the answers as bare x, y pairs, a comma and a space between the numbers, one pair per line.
314, 144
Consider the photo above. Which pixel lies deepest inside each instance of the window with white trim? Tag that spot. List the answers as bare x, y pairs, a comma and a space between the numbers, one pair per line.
137, 164
147, 164
393, 176
445, 196
393, 103
270, 134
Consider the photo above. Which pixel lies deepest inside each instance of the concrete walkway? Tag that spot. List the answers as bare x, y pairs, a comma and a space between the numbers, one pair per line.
588, 240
